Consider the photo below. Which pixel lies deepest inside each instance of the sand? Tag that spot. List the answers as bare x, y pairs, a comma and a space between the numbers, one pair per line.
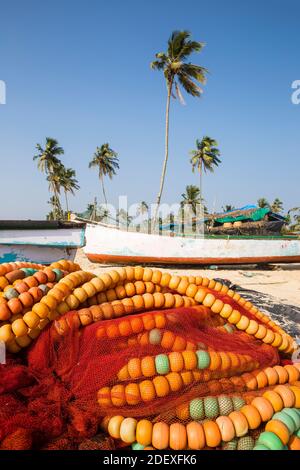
280, 281
274, 289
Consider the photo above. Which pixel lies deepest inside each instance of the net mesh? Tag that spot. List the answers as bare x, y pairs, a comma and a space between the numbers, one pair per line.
60, 392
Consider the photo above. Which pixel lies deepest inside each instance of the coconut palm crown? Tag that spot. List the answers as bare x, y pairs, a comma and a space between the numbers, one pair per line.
106, 160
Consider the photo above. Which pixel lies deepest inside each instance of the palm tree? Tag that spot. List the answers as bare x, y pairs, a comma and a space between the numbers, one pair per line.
294, 219
277, 206
192, 198
228, 208
177, 71
263, 203
68, 182
48, 157
106, 160
54, 181
56, 212
143, 208
124, 217
205, 157
50, 164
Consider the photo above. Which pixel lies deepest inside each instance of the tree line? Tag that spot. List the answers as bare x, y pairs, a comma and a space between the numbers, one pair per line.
179, 74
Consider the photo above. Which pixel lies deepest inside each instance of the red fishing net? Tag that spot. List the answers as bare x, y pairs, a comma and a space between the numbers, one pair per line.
55, 394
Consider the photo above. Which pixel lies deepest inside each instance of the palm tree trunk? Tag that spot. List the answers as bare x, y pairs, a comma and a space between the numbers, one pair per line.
103, 190
200, 183
67, 203
162, 178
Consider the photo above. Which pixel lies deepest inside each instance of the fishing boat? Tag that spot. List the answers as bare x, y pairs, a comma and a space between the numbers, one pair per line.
109, 244
39, 241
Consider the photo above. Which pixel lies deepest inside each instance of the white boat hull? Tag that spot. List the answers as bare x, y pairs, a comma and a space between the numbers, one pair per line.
110, 245
40, 246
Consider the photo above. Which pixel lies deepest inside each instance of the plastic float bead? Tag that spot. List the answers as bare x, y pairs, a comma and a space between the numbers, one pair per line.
155, 336
23, 341
285, 419
293, 373
6, 333
15, 306
212, 433
286, 394
175, 381
215, 361
261, 378
292, 412
296, 392
117, 394
196, 409
234, 317
162, 364
144, 432
211, 407
272, 376
252, 415
31, 319
178, 436
282, 373
203, 359
245, 443
250, 381
147, 390
240, 423
226, 311
160, 436
161, 385
208, 300
260, 447
231, 445
217, 306
148, 366
5, 312
19, 327
226, 428
269, 440
226, 361
127, 430
11, 293
137, 446
195, 436
225, 405
252, 327
114, 426
264, 408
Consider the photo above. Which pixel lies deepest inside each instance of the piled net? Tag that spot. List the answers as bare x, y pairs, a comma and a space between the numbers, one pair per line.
139, 358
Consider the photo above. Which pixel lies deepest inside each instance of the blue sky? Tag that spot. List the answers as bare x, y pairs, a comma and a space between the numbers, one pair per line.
79, 71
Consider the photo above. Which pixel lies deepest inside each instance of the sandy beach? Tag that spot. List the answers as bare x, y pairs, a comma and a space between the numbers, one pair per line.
280, 281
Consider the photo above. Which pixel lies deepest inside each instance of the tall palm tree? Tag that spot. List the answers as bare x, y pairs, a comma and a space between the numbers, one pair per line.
277, 205
48, 156
263, 203
177, 71
205, 157
107, 162
68, 182
50, 164
54, 180
192, 198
